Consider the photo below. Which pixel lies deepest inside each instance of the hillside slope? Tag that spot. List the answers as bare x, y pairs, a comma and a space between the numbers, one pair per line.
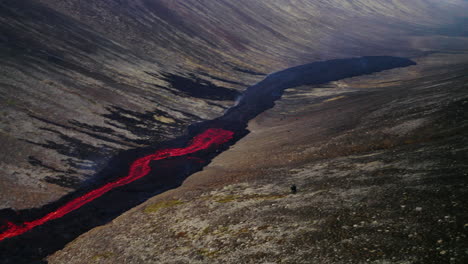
379, 162
84, 80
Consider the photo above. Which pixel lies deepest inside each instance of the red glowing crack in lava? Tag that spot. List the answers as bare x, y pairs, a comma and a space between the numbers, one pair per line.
138, 169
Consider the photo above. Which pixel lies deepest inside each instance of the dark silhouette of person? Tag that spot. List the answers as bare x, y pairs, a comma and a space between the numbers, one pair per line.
293, 189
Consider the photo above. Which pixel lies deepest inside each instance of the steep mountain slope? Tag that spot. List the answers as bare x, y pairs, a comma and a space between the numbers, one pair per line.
83, 80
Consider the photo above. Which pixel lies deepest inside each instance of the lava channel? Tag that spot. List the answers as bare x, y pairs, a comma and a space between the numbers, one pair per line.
139, 169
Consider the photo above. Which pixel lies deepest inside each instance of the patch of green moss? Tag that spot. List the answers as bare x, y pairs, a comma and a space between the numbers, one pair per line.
207, 253
104, 255
269, 196
207, 230
232, 198
241, 231
228, 198
10, 102
153, 208
222, 230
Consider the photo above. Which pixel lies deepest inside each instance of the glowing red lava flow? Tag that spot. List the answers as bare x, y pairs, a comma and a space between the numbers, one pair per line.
138, 169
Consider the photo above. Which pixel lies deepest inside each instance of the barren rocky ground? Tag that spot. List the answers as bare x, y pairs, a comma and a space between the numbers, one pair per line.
380, 166
379, 160
82, 81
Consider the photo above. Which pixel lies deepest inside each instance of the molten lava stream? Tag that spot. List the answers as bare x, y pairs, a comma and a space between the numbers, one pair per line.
138, 169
